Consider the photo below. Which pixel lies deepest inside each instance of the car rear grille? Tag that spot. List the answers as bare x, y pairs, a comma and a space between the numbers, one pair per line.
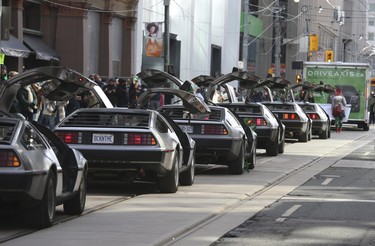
108, 119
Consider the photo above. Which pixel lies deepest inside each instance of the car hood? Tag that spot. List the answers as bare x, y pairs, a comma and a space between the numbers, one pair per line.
63, 84
189, 101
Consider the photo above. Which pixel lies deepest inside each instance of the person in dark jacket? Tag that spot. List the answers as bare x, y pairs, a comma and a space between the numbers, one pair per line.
27, 100
110, 91
122, 93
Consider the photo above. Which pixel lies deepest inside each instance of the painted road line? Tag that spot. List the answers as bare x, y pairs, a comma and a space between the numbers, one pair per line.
327, 181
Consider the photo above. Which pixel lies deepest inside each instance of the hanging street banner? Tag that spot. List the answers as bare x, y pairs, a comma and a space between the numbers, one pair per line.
154, 39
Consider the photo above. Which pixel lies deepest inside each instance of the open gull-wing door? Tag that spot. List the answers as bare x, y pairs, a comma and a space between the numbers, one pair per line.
246, 80
280, 88
305, 88
189, 101
157, 78
203, 80
63, 84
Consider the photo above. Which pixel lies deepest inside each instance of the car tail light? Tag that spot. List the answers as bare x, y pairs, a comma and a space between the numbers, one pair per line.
8, 158
255, 121
139, 139
290, 116
314, 116
214, 130
70, 137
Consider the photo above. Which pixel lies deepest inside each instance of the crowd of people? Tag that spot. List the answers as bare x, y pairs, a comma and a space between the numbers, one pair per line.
31, 104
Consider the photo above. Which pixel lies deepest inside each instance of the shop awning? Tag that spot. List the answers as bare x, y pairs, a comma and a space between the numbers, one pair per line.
42, 49
14, 47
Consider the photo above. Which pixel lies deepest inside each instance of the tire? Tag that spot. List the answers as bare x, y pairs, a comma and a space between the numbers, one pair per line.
43, 215
324, 135
304, 138
237, 165
281, 148
169, 183
253, 159
76, 205
273, 148
187, 177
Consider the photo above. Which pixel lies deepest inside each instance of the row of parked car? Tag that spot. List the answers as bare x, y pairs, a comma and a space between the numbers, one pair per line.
41, 168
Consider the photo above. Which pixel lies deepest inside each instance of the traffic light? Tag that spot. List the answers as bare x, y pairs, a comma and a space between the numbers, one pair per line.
298, 78
329, 56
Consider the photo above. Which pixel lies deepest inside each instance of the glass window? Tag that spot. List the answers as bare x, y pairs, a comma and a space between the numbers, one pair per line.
31, 139
371, 21
372, 6
161, 125
32, 15
370, 36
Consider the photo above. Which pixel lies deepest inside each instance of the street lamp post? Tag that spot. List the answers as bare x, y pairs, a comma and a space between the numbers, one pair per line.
166, 35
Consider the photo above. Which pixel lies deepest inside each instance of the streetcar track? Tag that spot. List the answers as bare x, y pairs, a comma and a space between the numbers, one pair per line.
61, 218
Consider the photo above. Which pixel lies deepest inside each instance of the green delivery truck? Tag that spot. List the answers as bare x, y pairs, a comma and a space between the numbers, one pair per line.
352, 78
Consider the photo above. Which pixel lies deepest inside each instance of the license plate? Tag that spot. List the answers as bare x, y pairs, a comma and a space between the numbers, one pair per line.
98, 138
186, 128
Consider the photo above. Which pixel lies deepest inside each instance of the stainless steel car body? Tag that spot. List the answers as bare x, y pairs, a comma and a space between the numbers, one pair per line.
220, 137
282, 103
269, 129
43, 172
321, 122
140, 144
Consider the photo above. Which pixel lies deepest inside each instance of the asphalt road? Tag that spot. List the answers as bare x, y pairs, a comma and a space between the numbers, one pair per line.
334, 207
218, 202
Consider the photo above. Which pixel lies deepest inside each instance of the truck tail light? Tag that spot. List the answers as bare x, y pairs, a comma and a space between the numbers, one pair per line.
214, 130
290, 116
70, 137
8, 158
139, 139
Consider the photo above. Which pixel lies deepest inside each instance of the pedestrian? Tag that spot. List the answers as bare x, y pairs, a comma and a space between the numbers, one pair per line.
27, 101
49, 113
371, 107
122, 93
338, 109
110, 91
4, 73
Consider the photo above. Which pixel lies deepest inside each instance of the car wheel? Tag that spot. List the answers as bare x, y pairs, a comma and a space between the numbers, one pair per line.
304, 137
76, 204
281, 147
43, 215
272, 149
324, 135
187, 177
237, 165
169, 183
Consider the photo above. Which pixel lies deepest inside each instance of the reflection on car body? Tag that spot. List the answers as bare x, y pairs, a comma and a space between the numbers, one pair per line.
220, 137
140, 144
321, 122
37, 170
282, 104
269, 129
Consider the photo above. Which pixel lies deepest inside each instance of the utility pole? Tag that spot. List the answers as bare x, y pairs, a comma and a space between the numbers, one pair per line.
277, 38
166, 35
245, 41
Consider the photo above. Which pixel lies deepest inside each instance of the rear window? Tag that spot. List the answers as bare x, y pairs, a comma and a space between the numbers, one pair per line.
6, 132
107, 119
280, 107
307, 107
246, 109
181, 114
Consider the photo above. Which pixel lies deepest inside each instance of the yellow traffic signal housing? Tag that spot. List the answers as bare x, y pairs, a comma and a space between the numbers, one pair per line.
298, 78
329, 55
